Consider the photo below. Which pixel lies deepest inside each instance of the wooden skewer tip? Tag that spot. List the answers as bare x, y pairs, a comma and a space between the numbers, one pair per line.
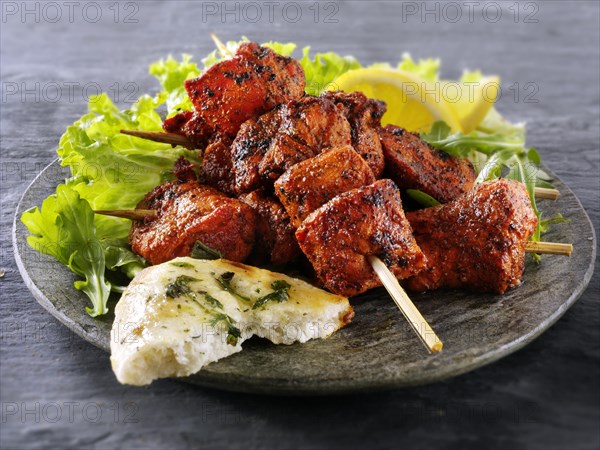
157, 136
221, 46
406, 306
549, 248
133, 214
546, 193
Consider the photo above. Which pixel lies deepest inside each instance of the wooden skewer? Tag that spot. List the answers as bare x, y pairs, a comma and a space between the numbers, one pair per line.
157, 136
545, 193
410, 312
177, 139
549, 248
132, 214
406, 306
221, 46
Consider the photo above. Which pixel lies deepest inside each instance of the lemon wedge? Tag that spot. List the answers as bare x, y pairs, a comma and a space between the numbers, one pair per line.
471, 102
412, 103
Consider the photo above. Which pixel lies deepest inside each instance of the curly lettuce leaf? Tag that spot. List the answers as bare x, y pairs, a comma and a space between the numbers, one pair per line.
65, 229
109, 171
112, 170
324, 68
428, 69
283, 49
171, 74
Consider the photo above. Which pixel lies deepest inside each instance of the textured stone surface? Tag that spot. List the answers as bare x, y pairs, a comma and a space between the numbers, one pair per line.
544, 396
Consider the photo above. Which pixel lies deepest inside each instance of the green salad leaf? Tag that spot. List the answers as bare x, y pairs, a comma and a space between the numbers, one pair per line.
427, 69
112, 170
460, 144
171, 74
324, 68
422, 198
545, 224
284, 49
109, 171
64, 228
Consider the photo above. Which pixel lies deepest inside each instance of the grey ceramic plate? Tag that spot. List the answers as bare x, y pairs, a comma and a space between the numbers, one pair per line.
377, 350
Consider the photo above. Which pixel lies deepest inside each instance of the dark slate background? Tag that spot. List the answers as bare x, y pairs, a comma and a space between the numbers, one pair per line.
58, 391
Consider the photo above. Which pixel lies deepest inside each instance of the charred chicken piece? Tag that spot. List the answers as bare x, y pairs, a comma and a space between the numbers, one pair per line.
311, 183
364, 115
217, 167
339, 236
177, 123
184, 170
267, 147
275, 239
414, 164
253, 82
477, 241
308, 127
249, 147
188, 212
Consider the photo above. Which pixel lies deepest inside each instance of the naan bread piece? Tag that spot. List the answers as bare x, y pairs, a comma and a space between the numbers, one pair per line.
179, 316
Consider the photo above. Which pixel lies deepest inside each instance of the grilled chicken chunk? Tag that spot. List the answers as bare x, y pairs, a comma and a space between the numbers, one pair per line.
249, 148
477, 241
339, 236
266, 147
308, 127
275, 239
217, 167
177, 124
364, 115
311, 183
413, 164
188, 212
253, 82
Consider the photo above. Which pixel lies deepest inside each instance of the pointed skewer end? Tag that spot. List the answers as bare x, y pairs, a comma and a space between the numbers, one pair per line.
432, 343
546, 193
131, 214
549, 248
225, 52
158, 136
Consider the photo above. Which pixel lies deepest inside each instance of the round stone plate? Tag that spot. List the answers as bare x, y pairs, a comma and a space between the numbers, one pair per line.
377, 350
